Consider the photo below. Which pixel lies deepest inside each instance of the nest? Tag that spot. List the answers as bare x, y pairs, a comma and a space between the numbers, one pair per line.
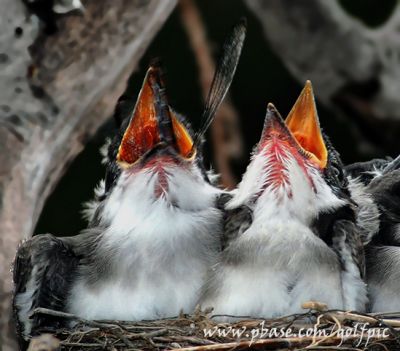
316, 329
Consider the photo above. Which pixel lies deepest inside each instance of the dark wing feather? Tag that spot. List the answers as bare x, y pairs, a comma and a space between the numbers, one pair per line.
366, 171
385, 191
43, 271
346, 241
235, 221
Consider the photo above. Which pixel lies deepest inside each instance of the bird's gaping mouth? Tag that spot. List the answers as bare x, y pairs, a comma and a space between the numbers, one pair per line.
153, 124
281, 149
299, 133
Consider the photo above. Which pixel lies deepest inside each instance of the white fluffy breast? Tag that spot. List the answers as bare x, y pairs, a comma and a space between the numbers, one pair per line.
383, 276
161, 248
280, 265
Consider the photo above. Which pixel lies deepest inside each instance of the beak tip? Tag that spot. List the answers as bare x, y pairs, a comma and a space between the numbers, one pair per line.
271, 107
308, 88
273, 116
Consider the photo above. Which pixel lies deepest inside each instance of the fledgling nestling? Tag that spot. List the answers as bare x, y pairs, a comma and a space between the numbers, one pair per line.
154, 231
152, 237
158, 219
289, 233
379, 181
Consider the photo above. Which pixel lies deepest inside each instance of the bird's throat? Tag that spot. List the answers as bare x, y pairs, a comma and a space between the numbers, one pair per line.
161, 185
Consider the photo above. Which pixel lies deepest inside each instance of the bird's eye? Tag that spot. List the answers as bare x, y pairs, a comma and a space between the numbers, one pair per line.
339, 175
336, 172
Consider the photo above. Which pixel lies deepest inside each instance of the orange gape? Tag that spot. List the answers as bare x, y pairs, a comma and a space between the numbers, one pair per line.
183, 140
303, 122
142, 133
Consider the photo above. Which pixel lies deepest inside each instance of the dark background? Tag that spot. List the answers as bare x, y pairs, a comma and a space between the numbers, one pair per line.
261, 78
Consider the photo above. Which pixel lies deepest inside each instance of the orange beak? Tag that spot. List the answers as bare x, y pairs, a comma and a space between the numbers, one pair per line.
303, 123
152, 123
279, 145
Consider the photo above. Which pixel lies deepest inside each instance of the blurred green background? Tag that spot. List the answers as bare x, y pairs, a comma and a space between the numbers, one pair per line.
261, 78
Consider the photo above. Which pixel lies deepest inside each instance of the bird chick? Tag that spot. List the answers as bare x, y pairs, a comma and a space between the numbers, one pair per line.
155, 229
289, 232
379, 181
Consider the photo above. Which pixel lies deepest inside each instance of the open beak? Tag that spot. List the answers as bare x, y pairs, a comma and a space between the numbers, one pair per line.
303, 123
278, 142
280, 148
152, 124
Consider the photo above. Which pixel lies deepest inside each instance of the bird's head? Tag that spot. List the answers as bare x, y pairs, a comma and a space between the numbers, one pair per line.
294, 168
156, 155
152, 161
154, 139
155, 134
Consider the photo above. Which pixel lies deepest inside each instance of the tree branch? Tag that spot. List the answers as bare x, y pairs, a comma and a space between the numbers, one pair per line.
355, 69
53, 101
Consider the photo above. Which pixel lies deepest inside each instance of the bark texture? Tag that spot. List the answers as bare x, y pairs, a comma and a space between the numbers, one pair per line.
355, 69
55, 92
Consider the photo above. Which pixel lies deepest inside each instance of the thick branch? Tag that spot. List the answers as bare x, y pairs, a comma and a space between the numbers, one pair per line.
317, 40
355, 70
55, 99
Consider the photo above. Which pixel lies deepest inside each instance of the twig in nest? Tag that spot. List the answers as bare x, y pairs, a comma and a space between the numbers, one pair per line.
272, 344
186, 332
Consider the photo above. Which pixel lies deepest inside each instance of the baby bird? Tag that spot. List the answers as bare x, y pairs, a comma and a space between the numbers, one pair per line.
151, 239
289, 231
379, 180
154, 231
